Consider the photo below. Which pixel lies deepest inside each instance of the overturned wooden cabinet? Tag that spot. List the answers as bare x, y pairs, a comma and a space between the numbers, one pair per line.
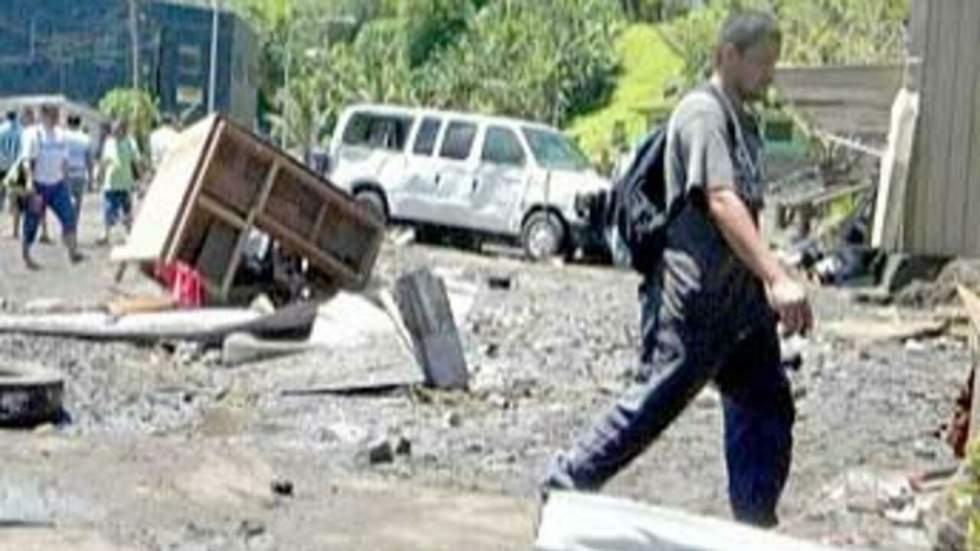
218, 182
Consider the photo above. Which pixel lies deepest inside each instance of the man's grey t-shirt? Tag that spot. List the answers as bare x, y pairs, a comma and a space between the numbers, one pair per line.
703, 280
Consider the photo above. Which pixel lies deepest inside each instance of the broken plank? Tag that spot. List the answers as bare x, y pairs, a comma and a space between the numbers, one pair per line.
884, 330
590, 522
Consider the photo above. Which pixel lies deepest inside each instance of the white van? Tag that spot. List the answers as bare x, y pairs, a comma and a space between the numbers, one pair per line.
502, 178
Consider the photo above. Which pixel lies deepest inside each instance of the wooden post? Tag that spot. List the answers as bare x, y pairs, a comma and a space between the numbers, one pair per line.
424, 306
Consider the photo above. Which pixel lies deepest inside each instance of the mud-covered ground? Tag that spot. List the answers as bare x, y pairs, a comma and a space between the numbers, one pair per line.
168, 449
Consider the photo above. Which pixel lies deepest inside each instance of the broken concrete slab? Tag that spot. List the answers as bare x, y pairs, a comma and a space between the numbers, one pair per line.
589, 522
242, 348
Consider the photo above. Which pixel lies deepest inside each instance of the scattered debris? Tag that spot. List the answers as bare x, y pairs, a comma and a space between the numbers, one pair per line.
869, 330
282, 487
29, 396
140, 304
452, 420
403, 446
403, 237
503, 283
497, 400
380, 451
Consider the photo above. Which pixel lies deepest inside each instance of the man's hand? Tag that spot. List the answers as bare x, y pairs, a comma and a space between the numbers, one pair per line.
788, 298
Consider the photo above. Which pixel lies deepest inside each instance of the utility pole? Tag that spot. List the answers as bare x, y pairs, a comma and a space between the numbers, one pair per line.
212, 80
134, 41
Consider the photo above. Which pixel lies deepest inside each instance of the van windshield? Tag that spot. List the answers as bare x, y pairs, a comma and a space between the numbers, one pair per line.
555, 151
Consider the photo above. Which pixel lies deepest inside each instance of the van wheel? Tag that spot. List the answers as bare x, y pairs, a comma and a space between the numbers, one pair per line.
374, 203
543, 236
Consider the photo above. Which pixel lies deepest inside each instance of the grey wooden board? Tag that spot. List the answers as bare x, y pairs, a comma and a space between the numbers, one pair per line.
842, 100
589, 522
424, 305
166, 197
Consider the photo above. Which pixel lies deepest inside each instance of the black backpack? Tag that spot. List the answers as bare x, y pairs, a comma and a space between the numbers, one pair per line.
634, 215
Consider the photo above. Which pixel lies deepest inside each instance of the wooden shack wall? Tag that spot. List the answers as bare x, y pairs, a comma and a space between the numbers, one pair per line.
942, 205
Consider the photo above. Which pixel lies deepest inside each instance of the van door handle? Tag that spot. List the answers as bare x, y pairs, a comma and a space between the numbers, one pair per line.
476, 183
438, 177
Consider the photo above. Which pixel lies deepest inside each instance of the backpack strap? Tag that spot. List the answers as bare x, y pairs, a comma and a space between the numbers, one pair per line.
735, 131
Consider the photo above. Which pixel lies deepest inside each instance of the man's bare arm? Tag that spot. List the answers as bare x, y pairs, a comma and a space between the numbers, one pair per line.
735, 222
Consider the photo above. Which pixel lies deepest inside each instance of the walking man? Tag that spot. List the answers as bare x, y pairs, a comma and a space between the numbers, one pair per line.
120, 166
712, 305
79, 163
47, 156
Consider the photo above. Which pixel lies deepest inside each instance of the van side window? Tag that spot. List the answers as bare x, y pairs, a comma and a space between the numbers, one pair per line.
501, 147
425, 141
377, 131
458, 141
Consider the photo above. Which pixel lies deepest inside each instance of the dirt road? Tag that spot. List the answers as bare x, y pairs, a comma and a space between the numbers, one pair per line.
169, 450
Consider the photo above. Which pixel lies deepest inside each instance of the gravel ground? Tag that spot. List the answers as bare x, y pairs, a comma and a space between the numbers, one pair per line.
546, 356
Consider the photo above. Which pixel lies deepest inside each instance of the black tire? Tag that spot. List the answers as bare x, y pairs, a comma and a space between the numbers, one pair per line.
29, 396
374, 203
543, 236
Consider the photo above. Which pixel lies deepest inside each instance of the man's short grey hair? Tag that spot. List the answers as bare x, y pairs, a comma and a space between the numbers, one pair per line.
746, 28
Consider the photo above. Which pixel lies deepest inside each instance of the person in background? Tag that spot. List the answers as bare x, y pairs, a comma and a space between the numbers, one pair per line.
29, 126
47, 171
162, 137
79, 162
120, 168
10, 131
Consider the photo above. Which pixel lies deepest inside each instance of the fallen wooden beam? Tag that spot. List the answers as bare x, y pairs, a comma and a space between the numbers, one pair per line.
589, 522
870, 330
209, 325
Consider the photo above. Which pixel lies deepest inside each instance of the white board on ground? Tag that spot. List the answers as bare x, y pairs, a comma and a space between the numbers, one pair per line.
588, 522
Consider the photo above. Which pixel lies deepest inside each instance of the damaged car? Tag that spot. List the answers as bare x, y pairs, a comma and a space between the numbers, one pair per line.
495, 178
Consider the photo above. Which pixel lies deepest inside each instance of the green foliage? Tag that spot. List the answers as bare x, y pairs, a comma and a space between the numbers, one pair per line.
815, 32
647, 67
541, 60
134, 106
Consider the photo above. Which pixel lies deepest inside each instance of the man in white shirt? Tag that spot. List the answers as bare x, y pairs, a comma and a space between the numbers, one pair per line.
47, 155
79, 163
161, 139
